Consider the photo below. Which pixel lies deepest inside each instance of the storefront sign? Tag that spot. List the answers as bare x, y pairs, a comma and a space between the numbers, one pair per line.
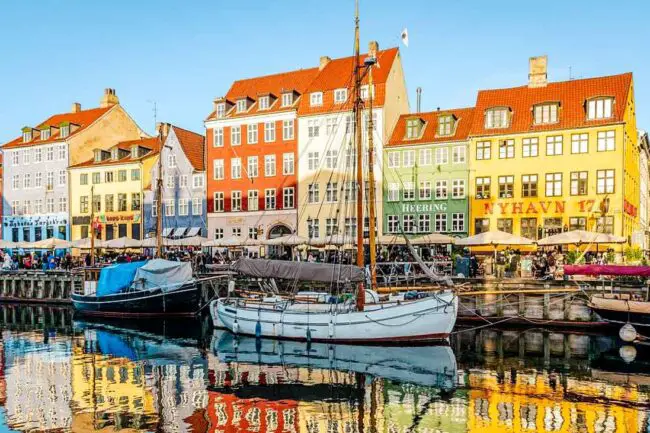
119, 218
629, 208
37, 220
423, 207
540, 207
81, 220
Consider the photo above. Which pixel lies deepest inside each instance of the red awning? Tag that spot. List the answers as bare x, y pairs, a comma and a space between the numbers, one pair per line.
615, 270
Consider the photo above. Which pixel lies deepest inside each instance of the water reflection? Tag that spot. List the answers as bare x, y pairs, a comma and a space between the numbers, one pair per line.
57, 374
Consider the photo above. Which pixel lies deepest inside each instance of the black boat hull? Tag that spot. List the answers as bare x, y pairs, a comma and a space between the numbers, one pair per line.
623, 317
182, 302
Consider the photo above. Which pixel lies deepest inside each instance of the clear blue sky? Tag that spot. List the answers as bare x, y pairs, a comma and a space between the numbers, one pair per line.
183, 54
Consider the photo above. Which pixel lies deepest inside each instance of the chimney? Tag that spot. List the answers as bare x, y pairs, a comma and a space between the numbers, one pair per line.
324, 60
76, 107
537, 76
109, 98
162, 129
373, 47
418, 92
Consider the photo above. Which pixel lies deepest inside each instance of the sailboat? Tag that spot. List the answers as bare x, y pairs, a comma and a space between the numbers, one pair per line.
397, 321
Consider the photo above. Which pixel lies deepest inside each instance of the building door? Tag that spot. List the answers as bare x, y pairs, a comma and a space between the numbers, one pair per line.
278, 252
121, 230
109, 232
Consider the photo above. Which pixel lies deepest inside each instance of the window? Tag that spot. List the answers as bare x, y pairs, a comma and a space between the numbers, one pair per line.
218, 202
50, 180
442, 155
545, 113
108, 177
529, 228
553, 184
288, 164
313, 127
235, 136
171, 160
529, 185
393, 192
330, 126
288, 198
312, 160
577, 223
97, 203
197, 180
15, 158
269, 199
65, 131
605, 225
483, 187
269, 132
331, 192
27, 180
504, 225
221, 110
170, 181
408, 223
424, 223
83, 204
350, 227
182, 181
457, 222
169, 207
252, 133
313, 193
15, 207
599, 108
496, 118
26, 156
351, 157
135, 202
38, 155
506, 186
441, 189
413, 128
253, 200
483, 150
530, 147
121, 203
38, 206
579, 183
197, 206
264, 103
49, 203
330, 158
393, 224
408, 158
45, 134
393, 159
425, 190
350, 190
49, 153
425, 157
218, 233
27, 210
38, 179
440, 222
340, 95
313, 228
218, 137
15, 181
63, 177
235, 168
331, 227
458, 155
287, 99
605, 181
409, 191
458, 188
154, 208
506, 149
579, 143
218, 171
287, 129
445, 125
235, 201
349, 121
554, 145
364, 92
241, 105
606, 141
269, 165
135, 174
316, 99
109, 202
253, 171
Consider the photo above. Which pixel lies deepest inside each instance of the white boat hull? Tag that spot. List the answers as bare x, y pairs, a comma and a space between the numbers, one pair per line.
420, 321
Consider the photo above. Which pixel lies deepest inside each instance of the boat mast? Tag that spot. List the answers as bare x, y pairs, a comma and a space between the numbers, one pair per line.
359, 151
159, 184
371, 186
92, 226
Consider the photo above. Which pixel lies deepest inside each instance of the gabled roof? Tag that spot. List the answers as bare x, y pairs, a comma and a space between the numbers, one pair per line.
150, 143
571, 95
193, 145
275, 84
464, 117
339, 73
82, 118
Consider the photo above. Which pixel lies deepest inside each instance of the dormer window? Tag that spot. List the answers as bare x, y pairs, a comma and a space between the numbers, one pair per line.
65, 131
115, 154
27, 135
364, 92
221, 109
98, 155
446, 124
134, 151
497, 118
545, 113
413, 128
340, 95
599, 108
287, 99
264, 103
316, 99
241, 105
45, 133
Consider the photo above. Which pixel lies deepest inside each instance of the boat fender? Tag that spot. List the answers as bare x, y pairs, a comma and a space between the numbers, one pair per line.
235, 327
258, 329
231, 287
627, 353
627, 333
308, 334
331, 329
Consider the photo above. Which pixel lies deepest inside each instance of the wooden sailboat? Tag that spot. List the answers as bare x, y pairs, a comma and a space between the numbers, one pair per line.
423, 320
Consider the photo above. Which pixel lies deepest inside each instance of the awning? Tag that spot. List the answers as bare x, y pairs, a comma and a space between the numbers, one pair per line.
193, 232
178, 231
167, 231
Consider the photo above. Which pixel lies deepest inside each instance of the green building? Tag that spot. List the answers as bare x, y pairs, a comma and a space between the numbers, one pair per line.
426, 174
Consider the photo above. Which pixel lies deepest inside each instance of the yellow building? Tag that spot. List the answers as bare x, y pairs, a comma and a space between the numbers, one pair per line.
548, 157
110, 186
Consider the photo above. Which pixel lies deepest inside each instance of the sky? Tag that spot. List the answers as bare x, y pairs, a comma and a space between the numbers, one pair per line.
181, 55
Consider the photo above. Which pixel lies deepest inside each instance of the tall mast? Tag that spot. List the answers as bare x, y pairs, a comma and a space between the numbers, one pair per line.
159, 184
357, 131
92, 226
371, 184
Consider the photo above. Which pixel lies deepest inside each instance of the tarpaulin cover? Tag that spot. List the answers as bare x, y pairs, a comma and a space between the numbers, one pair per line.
115, 345
166, 274
616, 270
114, 279
303, 271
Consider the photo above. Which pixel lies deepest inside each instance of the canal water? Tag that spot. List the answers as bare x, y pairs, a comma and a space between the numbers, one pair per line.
61, 374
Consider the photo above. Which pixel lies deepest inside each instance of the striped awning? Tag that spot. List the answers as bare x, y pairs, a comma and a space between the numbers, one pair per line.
193, 232
167, 231
178, 232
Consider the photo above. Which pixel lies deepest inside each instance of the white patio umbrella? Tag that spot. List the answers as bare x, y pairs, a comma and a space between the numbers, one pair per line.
192, 241
229, 242
48, 244
151, 242
291, 240
123, 242
575, 237
6, 244
84, 243
391, 240
433, 239
339, 240
494, 238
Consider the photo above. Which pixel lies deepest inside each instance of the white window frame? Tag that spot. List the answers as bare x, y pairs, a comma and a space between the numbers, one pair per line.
606, 141
288, 164
235, 135
253, 200
218, 198
288, 129
218, 169
340, 95
554, 145
235, 168
269, 132
269, 166
316, 99
217, 134
251, 133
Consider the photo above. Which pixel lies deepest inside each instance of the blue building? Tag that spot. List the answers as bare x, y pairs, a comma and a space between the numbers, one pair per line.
183, 173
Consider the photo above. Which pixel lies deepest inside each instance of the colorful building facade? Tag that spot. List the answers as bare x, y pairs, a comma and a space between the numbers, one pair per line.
183, 193
554, 156
109, 188
426, 174
36, 194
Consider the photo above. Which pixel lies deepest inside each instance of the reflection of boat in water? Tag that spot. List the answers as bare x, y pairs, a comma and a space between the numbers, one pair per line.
433, 366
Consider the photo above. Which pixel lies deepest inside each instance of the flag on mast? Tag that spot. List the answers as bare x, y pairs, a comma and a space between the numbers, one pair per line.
405, 37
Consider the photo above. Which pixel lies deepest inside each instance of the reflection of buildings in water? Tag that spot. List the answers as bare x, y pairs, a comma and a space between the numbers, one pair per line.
3, 382
38, 381
229, 414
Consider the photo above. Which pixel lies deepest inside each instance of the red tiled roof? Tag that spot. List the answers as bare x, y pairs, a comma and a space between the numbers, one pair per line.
82, 118
339, 73
429, 134
570, 94
149, 143
193, 145
275, 84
